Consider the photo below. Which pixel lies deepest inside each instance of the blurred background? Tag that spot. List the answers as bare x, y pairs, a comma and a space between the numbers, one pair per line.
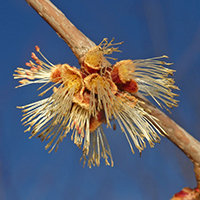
148, 29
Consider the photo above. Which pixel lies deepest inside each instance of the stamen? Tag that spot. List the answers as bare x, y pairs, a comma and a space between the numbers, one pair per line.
38, 50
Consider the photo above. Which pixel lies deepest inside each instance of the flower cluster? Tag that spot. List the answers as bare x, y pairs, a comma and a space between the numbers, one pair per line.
97, 93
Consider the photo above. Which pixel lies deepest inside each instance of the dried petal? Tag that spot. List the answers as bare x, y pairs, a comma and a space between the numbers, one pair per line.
82, 98
122, 71
95, 122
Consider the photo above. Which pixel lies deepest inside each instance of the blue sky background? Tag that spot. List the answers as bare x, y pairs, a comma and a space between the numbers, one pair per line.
148, 28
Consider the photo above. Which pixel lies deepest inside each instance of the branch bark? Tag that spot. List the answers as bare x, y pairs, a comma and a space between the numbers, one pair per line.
80, 44
75, 39
181, 138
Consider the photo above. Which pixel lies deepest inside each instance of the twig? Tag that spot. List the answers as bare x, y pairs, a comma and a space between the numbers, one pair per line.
80, 44
181, 138
75, 39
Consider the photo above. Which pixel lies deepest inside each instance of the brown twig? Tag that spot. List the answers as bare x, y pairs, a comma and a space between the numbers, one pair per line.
80, 44
75, 39
181, 138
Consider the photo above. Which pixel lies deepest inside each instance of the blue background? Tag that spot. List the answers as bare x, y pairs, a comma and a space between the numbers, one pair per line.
148, 28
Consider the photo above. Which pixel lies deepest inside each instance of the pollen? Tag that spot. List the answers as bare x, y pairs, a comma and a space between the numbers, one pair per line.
37, 48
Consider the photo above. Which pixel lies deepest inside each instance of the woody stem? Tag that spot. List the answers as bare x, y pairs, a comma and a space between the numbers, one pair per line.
75, 39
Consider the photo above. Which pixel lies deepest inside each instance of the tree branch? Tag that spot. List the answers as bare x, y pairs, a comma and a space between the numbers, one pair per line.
80, 44
75, 39
181, 138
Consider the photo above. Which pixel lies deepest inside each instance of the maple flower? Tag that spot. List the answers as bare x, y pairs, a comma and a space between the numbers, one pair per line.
97, 93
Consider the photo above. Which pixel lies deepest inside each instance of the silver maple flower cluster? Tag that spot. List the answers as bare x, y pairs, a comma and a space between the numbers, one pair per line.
97, 93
